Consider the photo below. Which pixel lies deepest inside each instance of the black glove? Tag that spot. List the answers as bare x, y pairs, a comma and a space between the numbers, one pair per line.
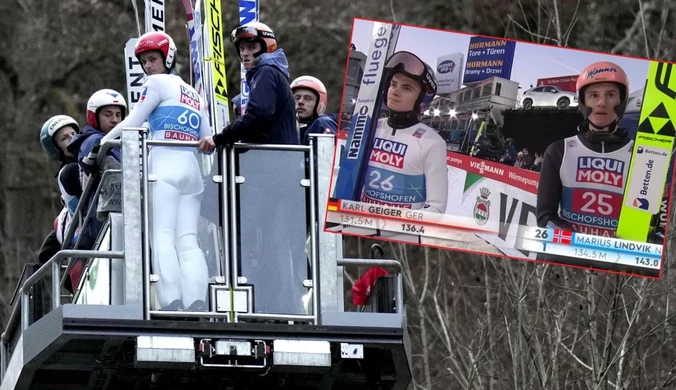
223, 138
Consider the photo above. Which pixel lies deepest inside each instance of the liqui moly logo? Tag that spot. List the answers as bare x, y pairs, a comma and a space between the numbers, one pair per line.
599, 170
190, 98
388, 152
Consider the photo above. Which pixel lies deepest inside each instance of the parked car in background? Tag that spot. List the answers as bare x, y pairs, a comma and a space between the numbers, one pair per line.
547, 96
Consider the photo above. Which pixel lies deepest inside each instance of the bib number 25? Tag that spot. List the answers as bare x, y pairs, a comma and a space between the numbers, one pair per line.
597, 203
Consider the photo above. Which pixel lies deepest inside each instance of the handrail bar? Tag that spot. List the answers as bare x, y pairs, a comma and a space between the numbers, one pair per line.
58, 257
372, 262
242, 145
76, 219
169, 142
314, 236
86, 219
238, 145
104, 148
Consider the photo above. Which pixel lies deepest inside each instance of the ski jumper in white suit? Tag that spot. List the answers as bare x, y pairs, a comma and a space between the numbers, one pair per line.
407, 168
174, 111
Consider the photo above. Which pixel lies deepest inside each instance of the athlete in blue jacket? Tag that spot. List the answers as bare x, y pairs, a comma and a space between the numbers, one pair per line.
311, 101
105, 109
236, 104
270, 115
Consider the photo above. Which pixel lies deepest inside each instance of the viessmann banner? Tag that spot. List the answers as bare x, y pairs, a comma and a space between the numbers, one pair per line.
488, 57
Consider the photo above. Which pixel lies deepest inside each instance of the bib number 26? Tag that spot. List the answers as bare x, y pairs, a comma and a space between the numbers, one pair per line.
375, 181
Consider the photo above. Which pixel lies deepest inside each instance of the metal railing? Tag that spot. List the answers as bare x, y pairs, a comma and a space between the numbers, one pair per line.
90, 211
21, 308
105, 147
232, 154
146, 178
229, 241
84, 199
135, 172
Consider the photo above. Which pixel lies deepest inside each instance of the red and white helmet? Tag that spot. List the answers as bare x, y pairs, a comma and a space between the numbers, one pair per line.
157, 41
101, 98
315, 85
603, 72
255, 32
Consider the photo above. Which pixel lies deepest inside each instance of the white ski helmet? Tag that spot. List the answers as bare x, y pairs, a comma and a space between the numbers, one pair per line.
50, 128
101, 98
315, 85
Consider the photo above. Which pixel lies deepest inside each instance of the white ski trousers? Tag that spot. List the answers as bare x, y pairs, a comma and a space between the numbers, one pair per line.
175, 201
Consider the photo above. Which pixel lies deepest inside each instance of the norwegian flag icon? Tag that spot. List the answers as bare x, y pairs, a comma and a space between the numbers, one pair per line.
562, 237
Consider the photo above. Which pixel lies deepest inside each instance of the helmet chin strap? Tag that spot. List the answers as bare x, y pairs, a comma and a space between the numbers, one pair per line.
612, 134
610, 128
401, 120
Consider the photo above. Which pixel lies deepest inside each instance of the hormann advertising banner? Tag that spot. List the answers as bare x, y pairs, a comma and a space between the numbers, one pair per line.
488, 57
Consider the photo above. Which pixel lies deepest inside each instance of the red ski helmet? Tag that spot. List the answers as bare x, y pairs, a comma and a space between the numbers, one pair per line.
157, 41
603, 72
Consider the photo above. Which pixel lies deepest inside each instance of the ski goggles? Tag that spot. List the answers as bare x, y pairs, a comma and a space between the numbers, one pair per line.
411, 64
249, 33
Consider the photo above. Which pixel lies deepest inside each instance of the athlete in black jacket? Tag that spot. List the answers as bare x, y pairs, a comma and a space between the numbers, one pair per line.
586, 195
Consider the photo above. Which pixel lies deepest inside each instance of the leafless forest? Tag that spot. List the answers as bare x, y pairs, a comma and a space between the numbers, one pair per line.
476, 322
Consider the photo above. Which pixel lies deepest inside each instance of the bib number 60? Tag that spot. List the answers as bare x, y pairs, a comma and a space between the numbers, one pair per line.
189, 117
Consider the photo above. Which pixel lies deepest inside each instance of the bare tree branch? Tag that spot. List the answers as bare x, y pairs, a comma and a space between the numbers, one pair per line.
643, 27
629, 35
394, 16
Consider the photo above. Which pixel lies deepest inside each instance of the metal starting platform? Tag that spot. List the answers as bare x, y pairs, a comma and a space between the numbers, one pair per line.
275, 316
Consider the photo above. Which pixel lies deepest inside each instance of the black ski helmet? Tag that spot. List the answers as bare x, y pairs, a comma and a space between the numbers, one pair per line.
412, 66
